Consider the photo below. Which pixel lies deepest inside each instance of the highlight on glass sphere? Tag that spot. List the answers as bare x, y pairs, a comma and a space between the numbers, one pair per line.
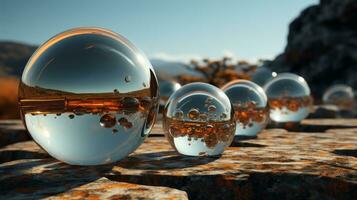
88, 96
198, 120
341, 96
288, 98
262, 75
250, 106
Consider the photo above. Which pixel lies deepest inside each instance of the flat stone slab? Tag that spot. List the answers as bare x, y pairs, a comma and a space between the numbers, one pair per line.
50, 179
331, 122
277, 165
104, 188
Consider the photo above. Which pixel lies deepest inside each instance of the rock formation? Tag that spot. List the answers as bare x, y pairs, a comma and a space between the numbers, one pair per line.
322, 45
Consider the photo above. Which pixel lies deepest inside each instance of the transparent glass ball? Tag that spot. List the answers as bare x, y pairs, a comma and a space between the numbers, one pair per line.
250, 106
339, 95
262, 75
88, 96
288, 98
167, 88
198, 120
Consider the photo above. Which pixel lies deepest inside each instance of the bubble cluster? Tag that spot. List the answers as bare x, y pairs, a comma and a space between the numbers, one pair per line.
288, 97
250, 106
198, 120
81, 93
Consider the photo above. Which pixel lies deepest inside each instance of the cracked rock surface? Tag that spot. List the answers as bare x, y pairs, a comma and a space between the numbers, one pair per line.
316, 161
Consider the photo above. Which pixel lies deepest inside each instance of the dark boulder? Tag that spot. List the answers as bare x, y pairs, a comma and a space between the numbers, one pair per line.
322, 45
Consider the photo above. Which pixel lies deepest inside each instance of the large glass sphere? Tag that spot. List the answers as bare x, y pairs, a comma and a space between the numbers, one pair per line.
341, 96
289, 98
250, 106
88, 96
198, 120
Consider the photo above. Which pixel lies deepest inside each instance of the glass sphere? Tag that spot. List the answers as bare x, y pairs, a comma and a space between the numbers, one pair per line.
198, 120
167, 88
250, 106
288, 97
339, 95
262, 75
88, 96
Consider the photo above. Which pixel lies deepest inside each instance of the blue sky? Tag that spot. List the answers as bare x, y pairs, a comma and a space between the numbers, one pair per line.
162, 28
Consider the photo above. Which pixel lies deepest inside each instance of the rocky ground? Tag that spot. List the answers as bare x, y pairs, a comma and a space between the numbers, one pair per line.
318, 161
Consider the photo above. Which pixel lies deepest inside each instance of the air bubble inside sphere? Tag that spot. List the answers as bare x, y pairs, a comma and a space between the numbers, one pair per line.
250, 106
88, 96
341, 96
198, 120
288, 97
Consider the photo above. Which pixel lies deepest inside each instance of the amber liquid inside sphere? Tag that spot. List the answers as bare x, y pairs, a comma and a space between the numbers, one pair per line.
250, 113
209, 132
59, 102
291, 103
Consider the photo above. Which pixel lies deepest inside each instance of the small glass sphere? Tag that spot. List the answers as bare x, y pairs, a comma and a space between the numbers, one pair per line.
88, 96
198, 120
341, 96
262, 75
167, 88
250, 106
288, 97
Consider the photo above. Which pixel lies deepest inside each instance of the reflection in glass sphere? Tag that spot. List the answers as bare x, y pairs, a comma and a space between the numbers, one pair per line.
250, 106
262, 75
88, 96
199, 120
339, 95
289, 98
167, 88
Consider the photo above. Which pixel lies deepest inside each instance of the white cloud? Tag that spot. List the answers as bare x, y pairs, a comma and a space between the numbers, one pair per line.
252, 60
186, 58
255, 60
229, 54
180, 57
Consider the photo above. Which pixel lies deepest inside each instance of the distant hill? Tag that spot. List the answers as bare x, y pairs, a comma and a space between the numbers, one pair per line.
13, 57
